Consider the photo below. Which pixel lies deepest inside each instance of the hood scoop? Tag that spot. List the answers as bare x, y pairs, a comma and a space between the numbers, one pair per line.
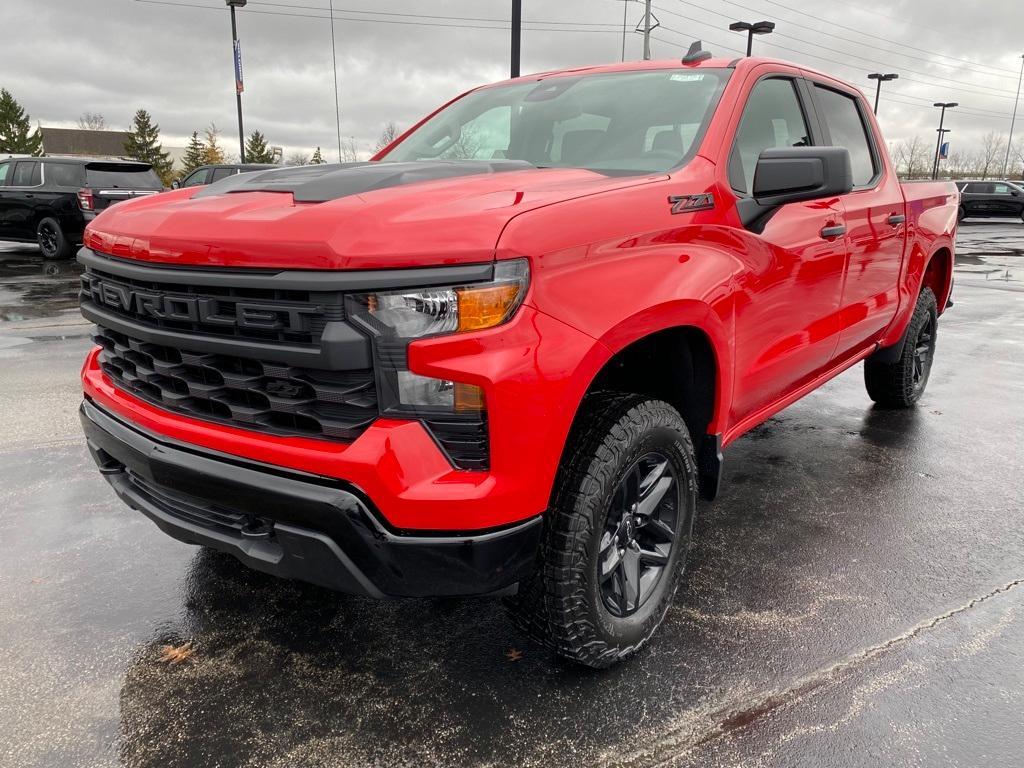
321, 183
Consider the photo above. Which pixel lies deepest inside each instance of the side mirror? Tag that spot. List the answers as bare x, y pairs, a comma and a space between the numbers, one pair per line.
792, 174
175, 184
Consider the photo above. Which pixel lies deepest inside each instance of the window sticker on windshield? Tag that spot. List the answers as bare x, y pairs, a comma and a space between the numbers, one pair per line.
686, 77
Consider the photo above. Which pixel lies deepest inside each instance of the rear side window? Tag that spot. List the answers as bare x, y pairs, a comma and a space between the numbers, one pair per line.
26, 174
846, 129
222, 173
63, 175
4, 168
772, 118
1001, 189
115, 176
979, 188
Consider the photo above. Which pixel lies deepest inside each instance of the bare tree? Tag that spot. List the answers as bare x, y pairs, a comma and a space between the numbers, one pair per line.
993, 149
297, 158
92, 121
911, 157
349, 151
389, 134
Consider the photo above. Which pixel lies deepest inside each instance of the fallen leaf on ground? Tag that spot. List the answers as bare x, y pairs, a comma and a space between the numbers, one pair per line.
513, 654
175, 654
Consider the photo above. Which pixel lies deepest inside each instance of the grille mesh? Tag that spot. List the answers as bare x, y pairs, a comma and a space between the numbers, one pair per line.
263, 396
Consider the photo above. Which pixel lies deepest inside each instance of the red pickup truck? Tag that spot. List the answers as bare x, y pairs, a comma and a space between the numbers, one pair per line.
504, 356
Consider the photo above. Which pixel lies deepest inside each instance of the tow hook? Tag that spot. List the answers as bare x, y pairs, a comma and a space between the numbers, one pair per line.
257, 528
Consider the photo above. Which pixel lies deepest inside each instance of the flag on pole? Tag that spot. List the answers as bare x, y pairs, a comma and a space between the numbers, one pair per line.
239, 85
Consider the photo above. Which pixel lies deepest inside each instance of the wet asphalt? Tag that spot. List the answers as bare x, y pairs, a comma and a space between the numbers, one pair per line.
854, 597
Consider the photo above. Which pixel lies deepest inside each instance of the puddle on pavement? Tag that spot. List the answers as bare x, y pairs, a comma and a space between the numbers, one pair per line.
31, 287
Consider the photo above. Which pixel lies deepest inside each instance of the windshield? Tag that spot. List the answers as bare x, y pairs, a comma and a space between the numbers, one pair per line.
114, 176
625, 121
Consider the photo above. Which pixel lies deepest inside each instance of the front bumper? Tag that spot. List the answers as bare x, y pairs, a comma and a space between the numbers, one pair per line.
296, 524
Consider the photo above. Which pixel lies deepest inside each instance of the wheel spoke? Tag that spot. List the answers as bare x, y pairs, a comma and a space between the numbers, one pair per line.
610, 563
653, 557
660, 530
631, 578
655, 494
652, 477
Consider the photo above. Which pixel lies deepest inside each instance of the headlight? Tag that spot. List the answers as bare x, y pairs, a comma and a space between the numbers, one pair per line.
433, 311
454, 412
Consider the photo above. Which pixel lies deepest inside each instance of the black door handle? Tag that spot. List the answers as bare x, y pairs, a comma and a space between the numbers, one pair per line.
835, 231
896, 219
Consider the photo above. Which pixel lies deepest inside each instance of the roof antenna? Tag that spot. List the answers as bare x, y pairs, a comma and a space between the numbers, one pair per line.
695, 53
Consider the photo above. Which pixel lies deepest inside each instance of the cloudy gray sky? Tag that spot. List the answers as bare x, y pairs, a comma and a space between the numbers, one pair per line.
397, 59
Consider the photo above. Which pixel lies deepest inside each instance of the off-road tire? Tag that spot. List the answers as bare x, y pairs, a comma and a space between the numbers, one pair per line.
561, 605
53, 243
894, 385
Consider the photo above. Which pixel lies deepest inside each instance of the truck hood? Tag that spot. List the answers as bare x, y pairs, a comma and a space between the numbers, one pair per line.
352, 216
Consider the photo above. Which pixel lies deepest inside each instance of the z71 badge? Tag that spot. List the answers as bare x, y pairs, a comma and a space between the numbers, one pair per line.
686, 203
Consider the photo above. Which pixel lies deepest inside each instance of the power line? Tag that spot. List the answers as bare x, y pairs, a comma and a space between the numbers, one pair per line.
872, 62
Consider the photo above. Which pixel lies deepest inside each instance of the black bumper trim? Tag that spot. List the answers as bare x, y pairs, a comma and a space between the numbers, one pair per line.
307, 527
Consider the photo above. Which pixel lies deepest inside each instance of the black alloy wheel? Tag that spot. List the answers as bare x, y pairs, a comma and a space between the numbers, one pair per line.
49, 239
924, 353
640, 531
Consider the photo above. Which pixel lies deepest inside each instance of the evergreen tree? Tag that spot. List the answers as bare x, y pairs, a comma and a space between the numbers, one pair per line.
15, 127
214, 153
195, 154
256, 149
143, 143
317, 159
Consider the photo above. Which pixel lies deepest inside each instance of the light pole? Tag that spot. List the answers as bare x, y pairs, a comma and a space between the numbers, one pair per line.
1009, 141
517, 33
938, 144
881, 79
755, 28
236, 51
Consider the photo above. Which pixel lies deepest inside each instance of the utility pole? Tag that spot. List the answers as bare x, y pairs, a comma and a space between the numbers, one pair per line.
647, 30
942, 131
337, 105
236, 52
517, 33
625, 16
880, 78
1009, 141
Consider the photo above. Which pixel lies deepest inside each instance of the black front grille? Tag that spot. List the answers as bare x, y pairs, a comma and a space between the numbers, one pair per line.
258, 314
192, 509
264, 396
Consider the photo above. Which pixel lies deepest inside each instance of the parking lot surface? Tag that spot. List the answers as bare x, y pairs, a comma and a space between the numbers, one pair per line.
855, 596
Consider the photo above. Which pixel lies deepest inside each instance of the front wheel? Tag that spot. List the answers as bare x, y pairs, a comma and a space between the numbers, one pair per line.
901, 384
618, 531
961, 214
53, 243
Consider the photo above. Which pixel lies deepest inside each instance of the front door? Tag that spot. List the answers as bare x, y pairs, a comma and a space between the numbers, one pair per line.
788, 300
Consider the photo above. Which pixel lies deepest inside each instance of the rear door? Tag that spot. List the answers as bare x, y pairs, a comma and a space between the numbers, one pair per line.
875, 219
6, 167
112, 182
1004, 200
23, 183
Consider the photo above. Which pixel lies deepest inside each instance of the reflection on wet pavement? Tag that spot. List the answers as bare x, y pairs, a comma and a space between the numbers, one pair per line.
990, 250
31, 287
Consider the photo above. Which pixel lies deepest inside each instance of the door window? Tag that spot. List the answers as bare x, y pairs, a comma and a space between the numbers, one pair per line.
4, 167
847, 129
1001, 189
26, 174
772, 118
222, 173
63, 175
197, 178
979, 188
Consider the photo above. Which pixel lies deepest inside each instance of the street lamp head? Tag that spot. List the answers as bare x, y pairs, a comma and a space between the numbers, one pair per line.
762, 27
946, 104
740, 26
236, 3
883, 77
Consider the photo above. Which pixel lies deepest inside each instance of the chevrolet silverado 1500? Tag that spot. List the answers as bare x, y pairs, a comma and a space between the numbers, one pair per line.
504, 357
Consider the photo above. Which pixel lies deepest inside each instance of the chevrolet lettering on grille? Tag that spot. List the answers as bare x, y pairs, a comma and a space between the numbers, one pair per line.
198, 309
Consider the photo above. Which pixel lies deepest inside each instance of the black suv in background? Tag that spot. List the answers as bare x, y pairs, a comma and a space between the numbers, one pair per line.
989, 199
49, 200
207, 174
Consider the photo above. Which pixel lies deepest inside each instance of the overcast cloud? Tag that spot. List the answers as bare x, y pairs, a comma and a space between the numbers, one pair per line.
61, 58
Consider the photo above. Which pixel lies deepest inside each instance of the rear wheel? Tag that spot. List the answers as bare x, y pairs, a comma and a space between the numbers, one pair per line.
52, 242
961, 214
618, 531
901, 384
